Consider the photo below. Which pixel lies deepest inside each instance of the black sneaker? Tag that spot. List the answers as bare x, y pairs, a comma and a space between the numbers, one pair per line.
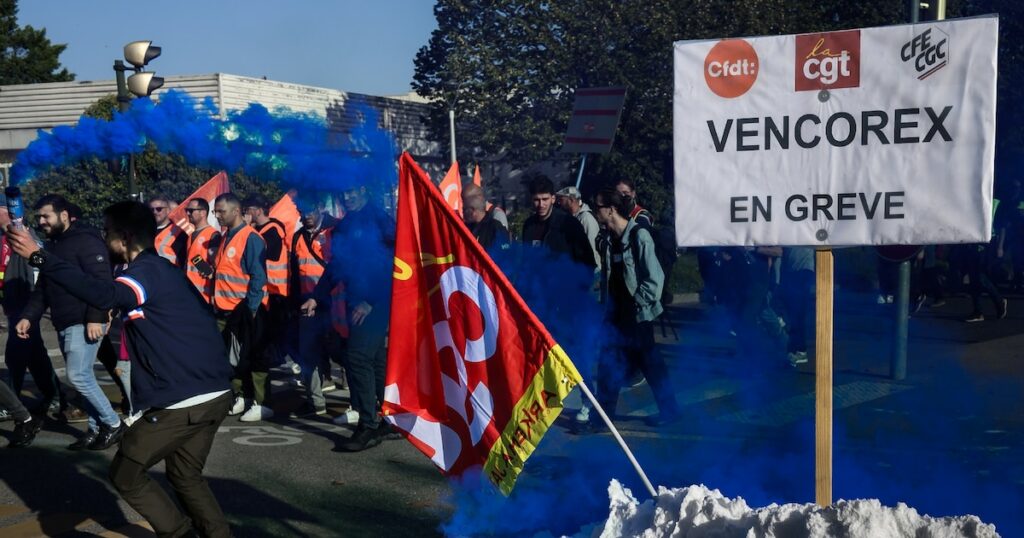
662, 419
388, 432
108, 436
25, 432
84, 441
308, 411
975, 317
361, 439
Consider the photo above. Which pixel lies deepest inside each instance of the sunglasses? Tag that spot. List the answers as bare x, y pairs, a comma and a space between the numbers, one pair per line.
191, 209
158, 209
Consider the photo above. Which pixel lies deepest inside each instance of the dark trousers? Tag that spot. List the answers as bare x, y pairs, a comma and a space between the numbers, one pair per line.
365, 363
30, 354
9, 401
635, 351
978, 273
797, 290
181, 438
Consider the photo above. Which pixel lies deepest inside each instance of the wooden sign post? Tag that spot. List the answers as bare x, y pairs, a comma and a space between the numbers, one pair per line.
823, 377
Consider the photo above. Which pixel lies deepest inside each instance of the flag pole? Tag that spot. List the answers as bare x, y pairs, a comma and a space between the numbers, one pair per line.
615, 433
579, 177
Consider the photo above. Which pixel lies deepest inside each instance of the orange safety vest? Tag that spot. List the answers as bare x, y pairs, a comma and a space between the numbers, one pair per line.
164, 242
277, 270
311, 258
199, 245
230, 282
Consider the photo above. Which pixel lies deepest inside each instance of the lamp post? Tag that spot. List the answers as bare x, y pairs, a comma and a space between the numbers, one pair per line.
141, 84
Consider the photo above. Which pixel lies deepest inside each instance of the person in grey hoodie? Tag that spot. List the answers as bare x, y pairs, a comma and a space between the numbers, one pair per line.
631, 283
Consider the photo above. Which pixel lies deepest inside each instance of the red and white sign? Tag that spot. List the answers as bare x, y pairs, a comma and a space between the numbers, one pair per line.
595, 117
872, 136
828, 61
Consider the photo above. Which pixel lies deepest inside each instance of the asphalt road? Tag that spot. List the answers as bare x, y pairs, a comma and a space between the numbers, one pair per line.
954, 424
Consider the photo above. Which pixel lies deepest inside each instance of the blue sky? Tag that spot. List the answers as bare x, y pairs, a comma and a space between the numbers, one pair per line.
361, 46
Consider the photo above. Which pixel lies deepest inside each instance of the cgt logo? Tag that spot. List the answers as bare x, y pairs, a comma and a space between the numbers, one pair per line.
730, 68
828, 61
928, 51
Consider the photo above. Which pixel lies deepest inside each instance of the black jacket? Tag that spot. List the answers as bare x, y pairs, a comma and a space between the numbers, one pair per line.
81, 246
490, 233
563, 234
172, 337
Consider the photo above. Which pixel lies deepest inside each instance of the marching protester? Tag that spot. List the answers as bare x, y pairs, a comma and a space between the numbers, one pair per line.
632, 283
553, 228
202, 244
80, 326
311, 249
181, 391
797, 292
627, 189
571, 201
486, 229
26, 354
171, 241
257, 207
368, 236
239, 298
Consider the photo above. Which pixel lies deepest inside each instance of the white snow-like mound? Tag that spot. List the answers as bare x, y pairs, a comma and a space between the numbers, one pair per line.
698, 512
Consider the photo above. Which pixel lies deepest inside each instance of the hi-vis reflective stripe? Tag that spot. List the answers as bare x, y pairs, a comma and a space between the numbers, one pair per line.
232, 278
231, 294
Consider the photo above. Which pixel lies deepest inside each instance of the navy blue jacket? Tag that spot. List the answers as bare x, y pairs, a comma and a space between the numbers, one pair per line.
172, 337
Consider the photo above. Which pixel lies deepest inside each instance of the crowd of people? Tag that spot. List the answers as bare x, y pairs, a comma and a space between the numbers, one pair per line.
189, 324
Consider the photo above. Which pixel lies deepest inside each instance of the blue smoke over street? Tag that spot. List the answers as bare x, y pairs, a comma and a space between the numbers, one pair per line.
295, 150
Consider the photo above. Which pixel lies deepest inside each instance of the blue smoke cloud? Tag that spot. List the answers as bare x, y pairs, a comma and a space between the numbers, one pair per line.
296, 150
909, 452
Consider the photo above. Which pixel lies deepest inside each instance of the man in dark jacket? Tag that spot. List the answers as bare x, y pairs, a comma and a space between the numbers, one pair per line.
79, 325
363, 246
180, 379
553, 228
488, 231
25, 354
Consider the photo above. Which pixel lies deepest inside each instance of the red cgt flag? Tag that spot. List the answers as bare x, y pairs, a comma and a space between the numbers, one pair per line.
473, 377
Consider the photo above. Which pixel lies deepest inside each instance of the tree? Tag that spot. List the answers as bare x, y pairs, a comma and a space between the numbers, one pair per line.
509, 68
26, 54
93, 185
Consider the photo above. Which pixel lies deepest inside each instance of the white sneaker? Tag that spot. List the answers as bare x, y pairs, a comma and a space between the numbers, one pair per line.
296, 369
238, 407
583, 415
328, 385
257, 413
799, 357
349, 417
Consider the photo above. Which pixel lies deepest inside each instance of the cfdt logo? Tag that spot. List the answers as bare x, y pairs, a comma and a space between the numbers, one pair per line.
927, 52
828, 61
730, 68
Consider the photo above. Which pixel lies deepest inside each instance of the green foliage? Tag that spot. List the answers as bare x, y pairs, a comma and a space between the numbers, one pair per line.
509, 68
93, 184
26, 54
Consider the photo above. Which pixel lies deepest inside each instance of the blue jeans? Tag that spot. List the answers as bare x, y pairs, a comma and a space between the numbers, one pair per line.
80, 356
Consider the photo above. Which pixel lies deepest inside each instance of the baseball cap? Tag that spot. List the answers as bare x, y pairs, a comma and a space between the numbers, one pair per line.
570, 191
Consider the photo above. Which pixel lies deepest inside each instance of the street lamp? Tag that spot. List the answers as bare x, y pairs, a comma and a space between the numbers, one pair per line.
141, 83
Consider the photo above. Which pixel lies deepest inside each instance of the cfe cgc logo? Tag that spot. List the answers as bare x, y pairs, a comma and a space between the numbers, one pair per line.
828, 61
730, 68
927, 52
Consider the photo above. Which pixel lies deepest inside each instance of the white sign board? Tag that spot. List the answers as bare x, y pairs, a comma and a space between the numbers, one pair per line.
860, 137
595, 116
